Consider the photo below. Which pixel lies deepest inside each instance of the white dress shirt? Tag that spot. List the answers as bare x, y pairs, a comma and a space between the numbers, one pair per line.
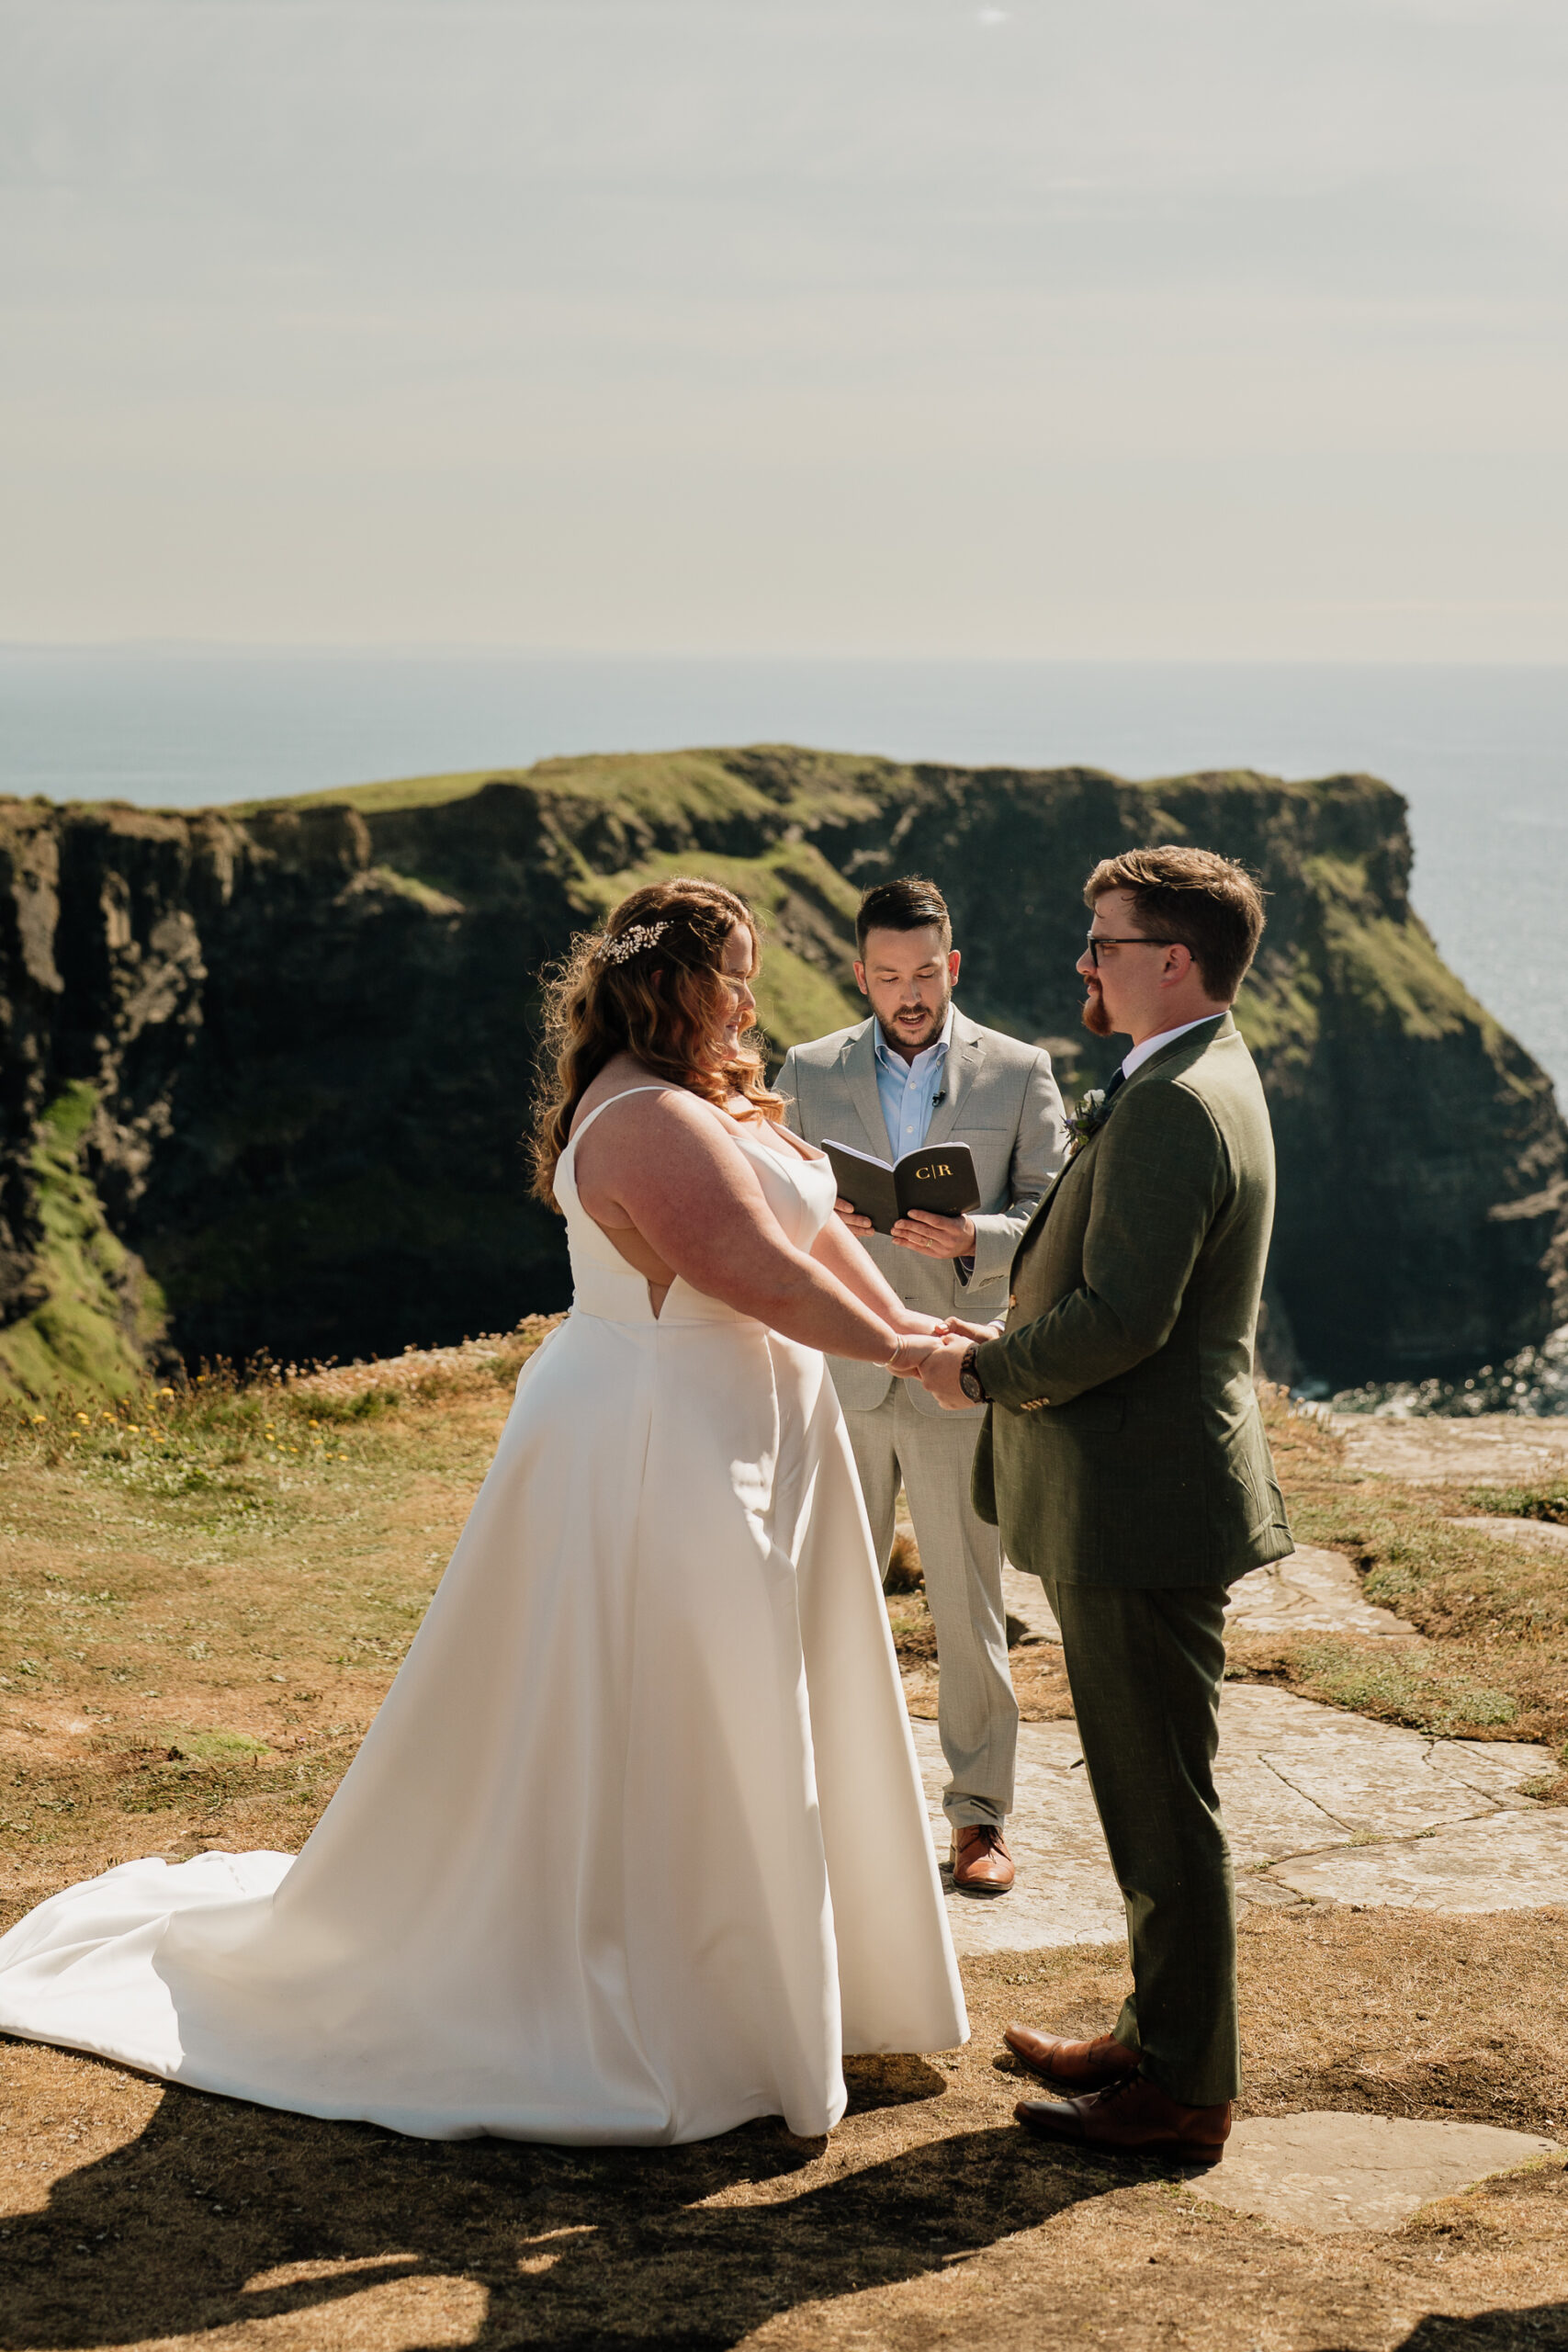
1140, 1054
908, 1088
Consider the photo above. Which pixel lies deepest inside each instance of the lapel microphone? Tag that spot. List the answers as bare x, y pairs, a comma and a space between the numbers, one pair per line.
938, 1098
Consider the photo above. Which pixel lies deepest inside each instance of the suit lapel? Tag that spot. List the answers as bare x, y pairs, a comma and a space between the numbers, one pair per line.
965, 1058
859, 1065
1224, 1027
1044, 1209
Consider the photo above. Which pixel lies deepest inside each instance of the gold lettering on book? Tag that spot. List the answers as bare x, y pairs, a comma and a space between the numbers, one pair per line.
941, 1169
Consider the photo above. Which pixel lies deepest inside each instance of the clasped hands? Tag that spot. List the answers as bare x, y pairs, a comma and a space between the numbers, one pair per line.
935, 1360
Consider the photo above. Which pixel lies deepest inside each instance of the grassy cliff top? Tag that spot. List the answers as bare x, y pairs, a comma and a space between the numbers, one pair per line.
738, 779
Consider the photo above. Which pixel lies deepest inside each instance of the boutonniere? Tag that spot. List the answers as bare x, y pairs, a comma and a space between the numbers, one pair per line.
1092, 1112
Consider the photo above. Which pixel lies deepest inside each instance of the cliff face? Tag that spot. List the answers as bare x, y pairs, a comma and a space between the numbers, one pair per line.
265, 1071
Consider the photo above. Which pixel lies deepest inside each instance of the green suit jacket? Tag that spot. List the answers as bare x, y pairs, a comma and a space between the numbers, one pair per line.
1125, 1446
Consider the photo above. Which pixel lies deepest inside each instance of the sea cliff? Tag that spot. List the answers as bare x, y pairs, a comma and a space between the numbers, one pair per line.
265, 1070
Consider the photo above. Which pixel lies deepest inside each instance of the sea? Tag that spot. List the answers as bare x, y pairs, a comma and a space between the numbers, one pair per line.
1481, 753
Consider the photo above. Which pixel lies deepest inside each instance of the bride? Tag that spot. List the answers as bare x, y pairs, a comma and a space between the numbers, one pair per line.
635, 1849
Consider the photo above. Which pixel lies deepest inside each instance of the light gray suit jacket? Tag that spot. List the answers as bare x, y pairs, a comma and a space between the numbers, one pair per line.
999, 1098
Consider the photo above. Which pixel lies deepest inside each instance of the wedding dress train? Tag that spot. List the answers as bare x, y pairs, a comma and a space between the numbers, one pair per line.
635, 1849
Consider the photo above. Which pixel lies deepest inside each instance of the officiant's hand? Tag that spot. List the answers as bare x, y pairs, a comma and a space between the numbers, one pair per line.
939, 1374
935, 1237
849, 1214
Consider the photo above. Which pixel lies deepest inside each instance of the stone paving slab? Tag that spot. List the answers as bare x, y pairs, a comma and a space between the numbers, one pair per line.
1312, 1591
1543, 1534
1328, 2172
1321, 1806
1490, 1449
1513, 1860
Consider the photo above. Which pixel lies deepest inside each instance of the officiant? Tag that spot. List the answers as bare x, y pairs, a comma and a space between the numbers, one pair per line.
917, 1072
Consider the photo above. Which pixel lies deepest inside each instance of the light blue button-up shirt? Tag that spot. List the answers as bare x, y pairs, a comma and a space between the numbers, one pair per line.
908, 1089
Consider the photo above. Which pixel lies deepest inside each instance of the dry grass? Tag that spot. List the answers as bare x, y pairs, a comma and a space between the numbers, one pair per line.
161, 2218
206, 1594
1492, 1661
234, 1576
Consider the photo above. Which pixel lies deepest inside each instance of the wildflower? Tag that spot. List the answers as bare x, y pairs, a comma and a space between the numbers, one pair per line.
85, 1417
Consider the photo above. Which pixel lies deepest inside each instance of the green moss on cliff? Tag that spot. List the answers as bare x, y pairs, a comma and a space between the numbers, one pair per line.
323, 1016
101, 1313
808, 914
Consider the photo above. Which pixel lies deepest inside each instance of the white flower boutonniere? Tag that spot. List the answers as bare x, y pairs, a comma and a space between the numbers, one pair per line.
1092, 1112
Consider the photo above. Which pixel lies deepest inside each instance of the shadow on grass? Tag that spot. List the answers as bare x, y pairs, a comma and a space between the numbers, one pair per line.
1501, 2331
571, 2247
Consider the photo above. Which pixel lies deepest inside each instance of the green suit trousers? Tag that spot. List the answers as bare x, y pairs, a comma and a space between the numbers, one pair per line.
1144, 1666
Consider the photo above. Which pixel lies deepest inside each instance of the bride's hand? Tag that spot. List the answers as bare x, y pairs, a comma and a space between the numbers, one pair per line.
909, 1355
977, 1331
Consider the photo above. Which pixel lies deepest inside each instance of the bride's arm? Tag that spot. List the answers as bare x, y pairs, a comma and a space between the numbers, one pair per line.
837, 1249
663, 1163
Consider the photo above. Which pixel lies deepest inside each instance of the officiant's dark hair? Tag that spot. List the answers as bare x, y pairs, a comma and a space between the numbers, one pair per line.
908, 904
1210, 904
648, 984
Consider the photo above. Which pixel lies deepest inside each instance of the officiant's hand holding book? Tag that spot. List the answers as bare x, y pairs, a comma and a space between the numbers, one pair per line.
928, 1193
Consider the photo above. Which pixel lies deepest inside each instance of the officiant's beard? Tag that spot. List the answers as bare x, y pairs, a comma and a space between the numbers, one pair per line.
1096, 1019
909, 1039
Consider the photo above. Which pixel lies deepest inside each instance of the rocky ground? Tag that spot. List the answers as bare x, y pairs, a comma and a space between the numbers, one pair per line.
206, 1597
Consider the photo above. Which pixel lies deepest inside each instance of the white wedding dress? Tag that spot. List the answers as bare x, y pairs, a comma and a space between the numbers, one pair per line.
635, 1849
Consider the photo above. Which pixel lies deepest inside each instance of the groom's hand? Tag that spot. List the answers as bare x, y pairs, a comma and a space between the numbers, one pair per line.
975, 1332
935, 1237
940, 1374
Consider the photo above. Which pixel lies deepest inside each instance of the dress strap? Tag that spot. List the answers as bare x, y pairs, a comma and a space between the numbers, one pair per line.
578, 1133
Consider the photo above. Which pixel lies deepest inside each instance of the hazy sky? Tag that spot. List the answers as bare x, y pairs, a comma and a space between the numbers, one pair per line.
1123, 327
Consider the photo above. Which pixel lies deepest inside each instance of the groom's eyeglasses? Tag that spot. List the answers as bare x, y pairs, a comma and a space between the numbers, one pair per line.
1095, 944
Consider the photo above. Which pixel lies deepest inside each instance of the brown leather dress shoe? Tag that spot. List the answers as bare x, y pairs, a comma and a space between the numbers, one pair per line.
981, 1863
1072, 2065
1133, 2118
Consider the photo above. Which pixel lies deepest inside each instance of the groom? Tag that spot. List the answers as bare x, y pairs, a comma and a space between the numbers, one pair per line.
1124, 1461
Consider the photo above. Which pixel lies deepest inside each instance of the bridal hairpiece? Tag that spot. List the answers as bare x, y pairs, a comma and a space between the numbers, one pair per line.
631, 943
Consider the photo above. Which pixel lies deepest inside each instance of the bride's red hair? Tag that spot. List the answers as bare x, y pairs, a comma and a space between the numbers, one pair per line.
661, 999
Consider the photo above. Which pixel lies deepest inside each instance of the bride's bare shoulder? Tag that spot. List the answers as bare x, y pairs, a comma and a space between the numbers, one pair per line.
647, 1101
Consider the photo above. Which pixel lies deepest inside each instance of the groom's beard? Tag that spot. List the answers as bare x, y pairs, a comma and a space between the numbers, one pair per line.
1095, 1020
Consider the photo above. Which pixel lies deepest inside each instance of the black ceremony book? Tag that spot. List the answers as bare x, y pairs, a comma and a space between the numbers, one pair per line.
939, 1176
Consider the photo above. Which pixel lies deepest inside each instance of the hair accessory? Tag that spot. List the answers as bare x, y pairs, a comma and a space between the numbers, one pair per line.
627, 943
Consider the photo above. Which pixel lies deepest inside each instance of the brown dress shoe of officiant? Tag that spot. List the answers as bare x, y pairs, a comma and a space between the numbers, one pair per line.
981, 1863
1133, 2118
1072, 2065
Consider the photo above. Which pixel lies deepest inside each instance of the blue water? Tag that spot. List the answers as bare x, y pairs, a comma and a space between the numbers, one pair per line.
1482, 754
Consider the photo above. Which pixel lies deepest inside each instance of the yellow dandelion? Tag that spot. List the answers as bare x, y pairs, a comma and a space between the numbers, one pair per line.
85, 1417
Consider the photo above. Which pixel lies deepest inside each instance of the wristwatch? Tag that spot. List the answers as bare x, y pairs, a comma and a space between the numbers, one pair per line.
969, 1379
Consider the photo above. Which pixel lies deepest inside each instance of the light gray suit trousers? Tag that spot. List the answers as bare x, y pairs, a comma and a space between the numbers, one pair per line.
1000, 1099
